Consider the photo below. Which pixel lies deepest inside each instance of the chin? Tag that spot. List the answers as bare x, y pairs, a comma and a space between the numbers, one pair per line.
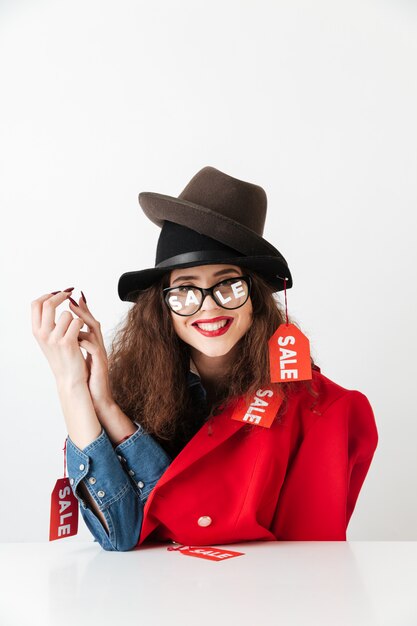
213, 351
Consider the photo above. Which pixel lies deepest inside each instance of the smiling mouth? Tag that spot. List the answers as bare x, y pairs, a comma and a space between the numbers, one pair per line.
213, 329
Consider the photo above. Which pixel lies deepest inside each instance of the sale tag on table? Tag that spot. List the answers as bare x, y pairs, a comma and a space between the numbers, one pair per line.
207, 552
289, 355
64, 511
262, 408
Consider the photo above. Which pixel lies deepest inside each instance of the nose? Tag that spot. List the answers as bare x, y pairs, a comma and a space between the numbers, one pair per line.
208, 303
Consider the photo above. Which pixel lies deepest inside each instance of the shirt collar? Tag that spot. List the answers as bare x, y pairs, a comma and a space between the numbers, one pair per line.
193, 368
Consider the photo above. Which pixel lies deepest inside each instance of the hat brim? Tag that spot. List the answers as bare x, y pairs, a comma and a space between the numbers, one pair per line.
272, 269
159, 207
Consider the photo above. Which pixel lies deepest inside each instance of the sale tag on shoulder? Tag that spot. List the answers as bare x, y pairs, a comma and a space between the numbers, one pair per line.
212, 554
289, 355
262, 409
64, 511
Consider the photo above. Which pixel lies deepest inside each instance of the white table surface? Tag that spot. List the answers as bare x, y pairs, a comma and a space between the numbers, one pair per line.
287, 583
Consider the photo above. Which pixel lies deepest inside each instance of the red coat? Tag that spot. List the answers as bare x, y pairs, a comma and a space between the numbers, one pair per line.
297, 480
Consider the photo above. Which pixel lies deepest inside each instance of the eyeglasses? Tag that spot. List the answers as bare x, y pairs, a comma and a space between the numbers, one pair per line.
231, 293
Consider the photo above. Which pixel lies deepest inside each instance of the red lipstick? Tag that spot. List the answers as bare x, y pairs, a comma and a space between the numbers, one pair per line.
213, 319
214, 333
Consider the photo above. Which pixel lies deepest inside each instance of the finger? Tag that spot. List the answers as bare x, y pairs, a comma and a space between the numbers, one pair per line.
73, 330
48, 311
87, 335
37, 308
88, 360
90, 347
83, 311
62, 325
85, 346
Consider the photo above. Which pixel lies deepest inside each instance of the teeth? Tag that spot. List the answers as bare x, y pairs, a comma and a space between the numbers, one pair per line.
215, 326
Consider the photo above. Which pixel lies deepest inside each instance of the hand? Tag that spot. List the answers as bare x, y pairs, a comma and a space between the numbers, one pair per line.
96, 360
59, 342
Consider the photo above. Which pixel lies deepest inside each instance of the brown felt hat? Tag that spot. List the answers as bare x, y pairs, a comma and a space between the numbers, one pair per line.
216, 219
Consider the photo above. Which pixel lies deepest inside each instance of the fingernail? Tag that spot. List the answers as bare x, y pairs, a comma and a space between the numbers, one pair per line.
69, 289
54, 292
83, 297
72, 300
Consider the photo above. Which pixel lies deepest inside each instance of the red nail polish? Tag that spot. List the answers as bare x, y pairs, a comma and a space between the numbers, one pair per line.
54, 292
84, 298
73, 301
69, 289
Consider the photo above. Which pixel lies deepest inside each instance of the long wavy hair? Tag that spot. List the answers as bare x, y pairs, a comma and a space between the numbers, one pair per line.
149, 365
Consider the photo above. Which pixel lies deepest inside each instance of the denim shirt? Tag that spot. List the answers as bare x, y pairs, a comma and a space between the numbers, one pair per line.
120, 479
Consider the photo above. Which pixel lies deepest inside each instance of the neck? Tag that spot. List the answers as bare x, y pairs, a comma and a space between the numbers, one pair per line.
212, 369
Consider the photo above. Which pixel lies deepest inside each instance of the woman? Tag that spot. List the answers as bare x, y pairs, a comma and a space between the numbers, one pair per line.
166, 440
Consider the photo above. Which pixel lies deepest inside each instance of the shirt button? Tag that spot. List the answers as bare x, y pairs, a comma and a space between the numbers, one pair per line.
101, 494
119, 457
82, 466
92, 480
141, 484
131, 472
205, 520
71, 481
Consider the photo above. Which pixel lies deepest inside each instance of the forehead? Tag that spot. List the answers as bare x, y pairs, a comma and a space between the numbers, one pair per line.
205, 271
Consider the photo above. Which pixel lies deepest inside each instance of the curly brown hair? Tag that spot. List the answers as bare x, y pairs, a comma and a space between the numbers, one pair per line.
149, 365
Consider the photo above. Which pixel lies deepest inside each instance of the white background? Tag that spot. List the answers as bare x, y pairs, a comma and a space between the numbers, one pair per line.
314, 101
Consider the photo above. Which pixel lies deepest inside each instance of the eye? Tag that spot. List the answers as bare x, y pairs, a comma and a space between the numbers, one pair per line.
184, 287
229, 281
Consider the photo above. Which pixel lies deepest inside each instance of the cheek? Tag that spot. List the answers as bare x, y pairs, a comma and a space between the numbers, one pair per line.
179, 325
247, 317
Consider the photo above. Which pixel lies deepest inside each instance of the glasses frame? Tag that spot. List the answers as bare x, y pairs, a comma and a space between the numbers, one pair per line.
208, 292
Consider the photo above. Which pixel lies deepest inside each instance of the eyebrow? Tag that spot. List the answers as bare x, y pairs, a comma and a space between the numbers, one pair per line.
219, 273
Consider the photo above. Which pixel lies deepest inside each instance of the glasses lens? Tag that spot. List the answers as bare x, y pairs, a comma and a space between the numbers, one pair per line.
184, 300
232, 293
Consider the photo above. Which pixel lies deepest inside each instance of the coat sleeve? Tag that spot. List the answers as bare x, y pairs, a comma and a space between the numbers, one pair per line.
322, 484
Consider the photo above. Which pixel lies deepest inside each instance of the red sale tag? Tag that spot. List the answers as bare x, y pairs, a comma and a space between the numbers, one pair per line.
212, 554
262, 409
289, 355
64, 511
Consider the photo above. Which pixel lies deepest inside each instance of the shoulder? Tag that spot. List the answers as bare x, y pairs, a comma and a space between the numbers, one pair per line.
349, 408
329, 392
319, 393
326, 397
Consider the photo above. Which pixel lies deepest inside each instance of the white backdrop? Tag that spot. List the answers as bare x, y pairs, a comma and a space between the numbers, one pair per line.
314, 101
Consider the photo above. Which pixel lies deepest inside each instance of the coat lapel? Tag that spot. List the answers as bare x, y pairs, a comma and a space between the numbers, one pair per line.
221, 426
212, 434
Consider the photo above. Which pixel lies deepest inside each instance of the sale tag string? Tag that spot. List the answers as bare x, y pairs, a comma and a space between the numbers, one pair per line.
289, 351
65, 457
64, 507
285, 296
